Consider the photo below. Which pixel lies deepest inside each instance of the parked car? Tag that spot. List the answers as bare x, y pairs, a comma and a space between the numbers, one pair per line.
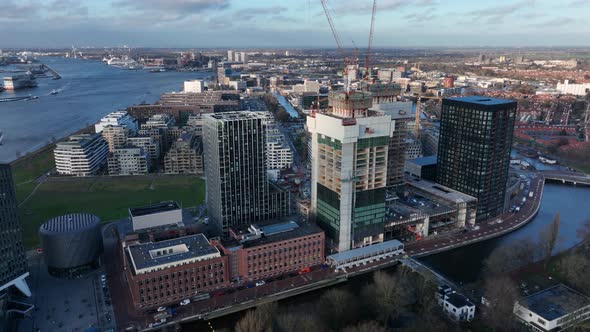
160, 309
260, 283
304, 270
185, 302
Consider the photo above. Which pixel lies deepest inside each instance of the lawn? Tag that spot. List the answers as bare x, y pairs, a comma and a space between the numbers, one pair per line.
108, 198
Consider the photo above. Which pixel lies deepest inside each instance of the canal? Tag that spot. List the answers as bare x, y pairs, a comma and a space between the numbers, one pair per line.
287, 106
464, 265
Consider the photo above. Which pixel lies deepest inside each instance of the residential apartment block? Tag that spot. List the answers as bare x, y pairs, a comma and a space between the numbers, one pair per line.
81, 155
128, 160
185, 156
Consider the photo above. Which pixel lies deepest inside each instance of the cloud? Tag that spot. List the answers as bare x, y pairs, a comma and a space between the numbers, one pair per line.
178, 7
356, 7
556, 22
579, 3
497, 14
262, 12
11, 10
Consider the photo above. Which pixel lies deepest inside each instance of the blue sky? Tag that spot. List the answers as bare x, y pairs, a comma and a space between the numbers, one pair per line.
292, 23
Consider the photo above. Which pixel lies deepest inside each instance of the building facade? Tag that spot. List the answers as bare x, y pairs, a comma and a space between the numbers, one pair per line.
81, 155
128, 160
238, 192
119, 118
185, 156
164, 272
115, 136
13, 262
149, 144
349, 170
474, 149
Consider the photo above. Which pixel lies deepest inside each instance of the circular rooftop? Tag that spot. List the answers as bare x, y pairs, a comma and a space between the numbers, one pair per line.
70, 223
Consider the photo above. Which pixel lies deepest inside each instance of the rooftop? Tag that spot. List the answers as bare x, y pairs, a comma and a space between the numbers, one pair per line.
151, 254
154, 208
424, 161
482, 100
365, 251
458, 300
555, 302
439, 190
80, 140
235, 116
70, 222
276, 232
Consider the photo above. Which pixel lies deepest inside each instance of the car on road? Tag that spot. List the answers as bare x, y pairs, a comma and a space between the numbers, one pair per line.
304, 270
185, 302
260, 283
160, 309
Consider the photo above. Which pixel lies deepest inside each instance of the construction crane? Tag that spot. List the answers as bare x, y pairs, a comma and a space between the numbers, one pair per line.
368, 53
347, 61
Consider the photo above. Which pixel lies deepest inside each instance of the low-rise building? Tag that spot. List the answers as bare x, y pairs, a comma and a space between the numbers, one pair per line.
156, 216
456, 305
128, 160
278, 154
168, 271
81, 155
553, 309
260, 252
159, 121
185, 156
424, 167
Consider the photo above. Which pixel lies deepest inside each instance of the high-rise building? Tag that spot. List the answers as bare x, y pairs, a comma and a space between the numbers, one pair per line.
474, 149
13, 262
238, 192
81, 155
230, 55
244, 57
349, 170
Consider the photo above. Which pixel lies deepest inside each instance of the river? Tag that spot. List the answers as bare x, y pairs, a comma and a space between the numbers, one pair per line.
88, 90
287, 106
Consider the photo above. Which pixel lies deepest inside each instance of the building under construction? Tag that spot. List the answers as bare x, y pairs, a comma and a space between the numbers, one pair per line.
383, 92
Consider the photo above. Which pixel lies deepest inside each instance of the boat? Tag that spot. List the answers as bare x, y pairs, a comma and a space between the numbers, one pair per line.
1, 137
19, 81
54, 92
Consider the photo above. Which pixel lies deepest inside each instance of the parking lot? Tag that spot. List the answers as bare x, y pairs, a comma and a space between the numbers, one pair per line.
66, 304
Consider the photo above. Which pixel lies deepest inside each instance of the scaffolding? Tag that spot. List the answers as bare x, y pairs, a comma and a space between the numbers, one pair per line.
351, 105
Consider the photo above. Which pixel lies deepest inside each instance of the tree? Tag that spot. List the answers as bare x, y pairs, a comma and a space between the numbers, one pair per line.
507, 258
337, 307
575, 268
501, 293
388, 294
370, 326
583, 234
297, 322
257, 320
548, 238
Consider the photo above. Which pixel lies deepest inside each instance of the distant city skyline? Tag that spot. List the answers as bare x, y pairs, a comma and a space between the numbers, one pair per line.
291, 23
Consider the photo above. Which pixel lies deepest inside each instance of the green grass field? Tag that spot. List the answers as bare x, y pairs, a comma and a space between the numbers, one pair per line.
108, 198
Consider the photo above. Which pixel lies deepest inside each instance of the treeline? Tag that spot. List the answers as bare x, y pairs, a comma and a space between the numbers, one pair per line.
392, 300
272, 104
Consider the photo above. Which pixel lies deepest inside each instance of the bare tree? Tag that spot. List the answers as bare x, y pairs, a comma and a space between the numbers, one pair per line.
389, 294
370, 326
509, 257
337, 307
297, 322
257, 320
584, 233
549, 238
501, 293
576, 268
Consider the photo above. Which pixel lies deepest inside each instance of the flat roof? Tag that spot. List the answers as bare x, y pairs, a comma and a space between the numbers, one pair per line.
154, 208
482, 100
197, 246
423, 161
279, 232
458, 300
438, 190
365, 251
272, 229
555, 302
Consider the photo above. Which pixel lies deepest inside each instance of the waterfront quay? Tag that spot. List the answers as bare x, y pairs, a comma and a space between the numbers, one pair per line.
240, 298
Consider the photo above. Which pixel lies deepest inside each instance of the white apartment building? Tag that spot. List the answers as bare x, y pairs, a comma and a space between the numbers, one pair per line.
159, 121
128, 160
573, 89
193, 86
149, 144
81, 155
554, 309
278, 155
119, 118
458, 307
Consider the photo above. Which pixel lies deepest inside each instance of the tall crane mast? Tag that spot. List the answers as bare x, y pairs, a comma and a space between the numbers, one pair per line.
368, 53
338, 44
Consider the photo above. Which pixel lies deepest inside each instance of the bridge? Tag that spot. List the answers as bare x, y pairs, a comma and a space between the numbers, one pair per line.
44, 67
574, 178
425, 271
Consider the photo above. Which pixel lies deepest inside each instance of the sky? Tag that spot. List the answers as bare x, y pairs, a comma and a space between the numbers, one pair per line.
293, 23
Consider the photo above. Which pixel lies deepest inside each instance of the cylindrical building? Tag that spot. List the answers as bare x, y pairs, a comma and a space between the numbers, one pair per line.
72, 244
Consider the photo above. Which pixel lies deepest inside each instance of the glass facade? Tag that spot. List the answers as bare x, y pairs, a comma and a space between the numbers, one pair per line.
474, 150
13, 263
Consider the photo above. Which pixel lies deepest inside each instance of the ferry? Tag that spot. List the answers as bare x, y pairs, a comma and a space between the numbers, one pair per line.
19, 82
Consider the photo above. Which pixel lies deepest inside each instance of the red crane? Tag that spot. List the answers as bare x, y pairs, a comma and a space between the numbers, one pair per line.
368, 53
